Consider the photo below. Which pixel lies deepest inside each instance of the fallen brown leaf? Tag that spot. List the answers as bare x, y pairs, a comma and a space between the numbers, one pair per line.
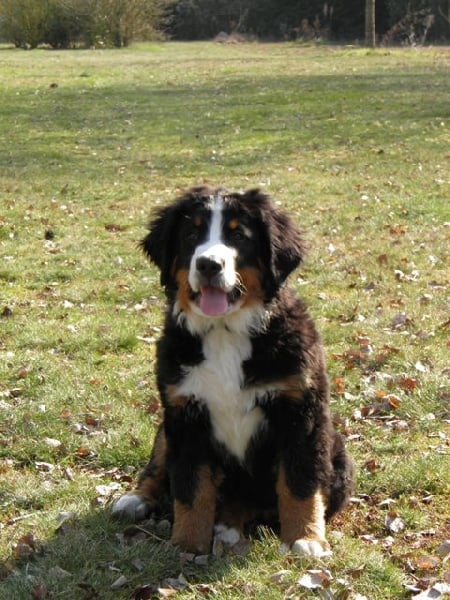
39, 592
144, 592
339, 385
424, 563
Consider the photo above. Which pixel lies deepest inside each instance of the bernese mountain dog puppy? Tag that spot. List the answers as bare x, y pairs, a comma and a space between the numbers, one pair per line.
246, 433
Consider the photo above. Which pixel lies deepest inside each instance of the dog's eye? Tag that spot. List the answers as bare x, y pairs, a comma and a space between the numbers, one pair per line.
240, 235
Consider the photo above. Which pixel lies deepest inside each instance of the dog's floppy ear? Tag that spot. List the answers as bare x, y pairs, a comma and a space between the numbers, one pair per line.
159, 244
287, 246
283, 247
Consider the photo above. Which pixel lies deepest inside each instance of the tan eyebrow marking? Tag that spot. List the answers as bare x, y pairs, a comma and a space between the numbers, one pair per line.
233, 224
198, 221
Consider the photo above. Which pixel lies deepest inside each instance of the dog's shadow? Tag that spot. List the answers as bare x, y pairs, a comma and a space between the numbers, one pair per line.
96, 556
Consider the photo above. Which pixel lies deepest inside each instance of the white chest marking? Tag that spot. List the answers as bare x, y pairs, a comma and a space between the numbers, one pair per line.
217, 383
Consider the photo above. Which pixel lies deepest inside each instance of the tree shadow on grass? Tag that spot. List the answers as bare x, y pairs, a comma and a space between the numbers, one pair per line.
95, 556
183, 130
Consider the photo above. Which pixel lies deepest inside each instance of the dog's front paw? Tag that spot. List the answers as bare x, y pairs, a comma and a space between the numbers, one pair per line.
303, 547
227, 535
131, 507
318, 549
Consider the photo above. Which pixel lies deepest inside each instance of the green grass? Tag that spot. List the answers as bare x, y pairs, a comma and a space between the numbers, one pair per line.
355, 145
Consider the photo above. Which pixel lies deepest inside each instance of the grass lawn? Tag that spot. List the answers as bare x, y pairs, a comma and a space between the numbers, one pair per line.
356, 145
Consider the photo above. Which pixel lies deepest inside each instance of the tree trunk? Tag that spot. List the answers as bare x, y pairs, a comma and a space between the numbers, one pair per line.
370, 23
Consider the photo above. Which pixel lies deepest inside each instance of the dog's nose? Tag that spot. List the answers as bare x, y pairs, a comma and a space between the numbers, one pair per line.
208, 267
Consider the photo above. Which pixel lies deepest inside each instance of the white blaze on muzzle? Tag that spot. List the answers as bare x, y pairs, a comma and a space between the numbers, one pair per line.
212, 271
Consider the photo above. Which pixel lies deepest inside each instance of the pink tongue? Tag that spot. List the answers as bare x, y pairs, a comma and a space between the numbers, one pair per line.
213, 302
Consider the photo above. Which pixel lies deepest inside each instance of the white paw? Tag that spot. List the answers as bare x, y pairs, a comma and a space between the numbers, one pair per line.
307, 548
132, 507
228, 535
311, 548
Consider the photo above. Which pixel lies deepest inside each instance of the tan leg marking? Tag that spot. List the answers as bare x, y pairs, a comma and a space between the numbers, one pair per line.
193, 525
300, 518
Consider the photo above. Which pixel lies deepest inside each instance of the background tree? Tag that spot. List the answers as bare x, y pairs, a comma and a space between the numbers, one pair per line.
413, 21
66, 23
73, 23
370, 24
128, 20
23, 22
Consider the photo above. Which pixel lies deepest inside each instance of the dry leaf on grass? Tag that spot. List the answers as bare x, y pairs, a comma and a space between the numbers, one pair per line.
25, 547
177, 583
167, 592
393, 522
444, 551
119, 582
58, 572
439, 590
315, 579
280, 576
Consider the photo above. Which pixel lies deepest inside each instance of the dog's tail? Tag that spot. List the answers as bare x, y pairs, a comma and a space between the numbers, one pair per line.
343, 478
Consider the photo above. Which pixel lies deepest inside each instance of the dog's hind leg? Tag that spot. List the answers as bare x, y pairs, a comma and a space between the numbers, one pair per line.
302, 520
152, 483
